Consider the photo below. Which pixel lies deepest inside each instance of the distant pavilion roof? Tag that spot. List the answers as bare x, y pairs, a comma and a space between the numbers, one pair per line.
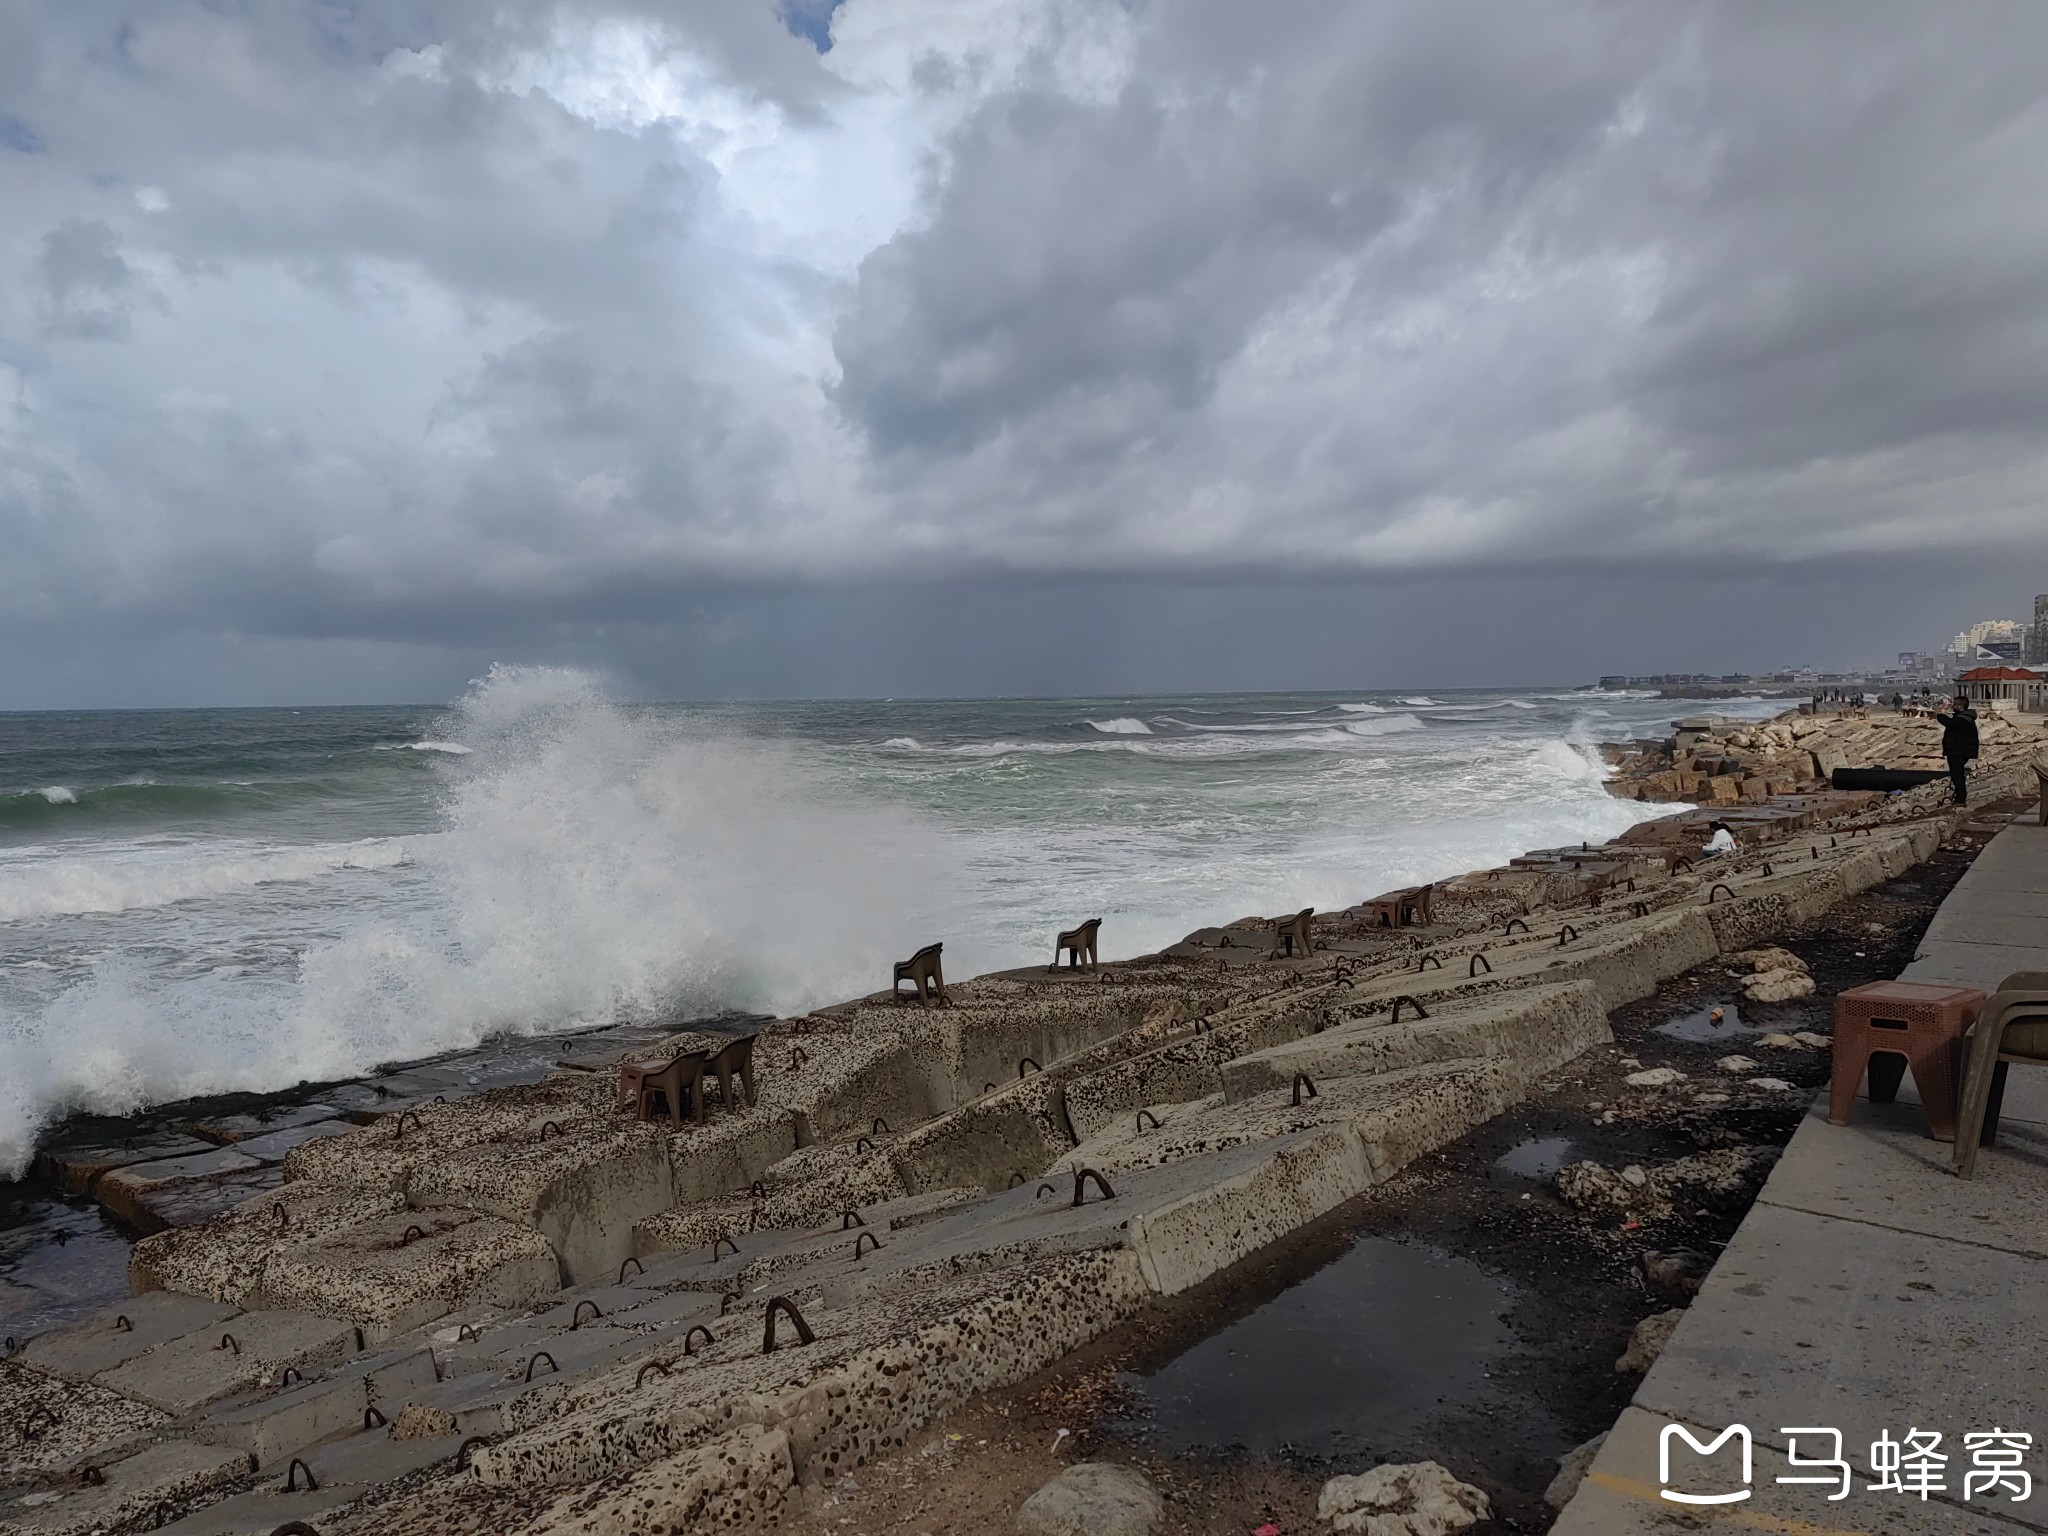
2000, 675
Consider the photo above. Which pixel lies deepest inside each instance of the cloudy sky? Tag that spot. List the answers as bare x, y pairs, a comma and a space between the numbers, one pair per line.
1039, 346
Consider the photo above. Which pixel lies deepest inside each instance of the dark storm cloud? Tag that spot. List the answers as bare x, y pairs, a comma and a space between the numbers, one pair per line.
612, 328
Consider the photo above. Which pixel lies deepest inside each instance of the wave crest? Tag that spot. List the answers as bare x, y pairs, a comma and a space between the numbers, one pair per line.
1122, 725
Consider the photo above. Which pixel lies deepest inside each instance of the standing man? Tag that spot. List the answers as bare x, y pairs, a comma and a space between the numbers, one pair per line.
1959, 745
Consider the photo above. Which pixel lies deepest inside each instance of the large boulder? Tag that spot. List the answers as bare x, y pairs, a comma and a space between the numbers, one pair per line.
1092, 1498
1418, 1498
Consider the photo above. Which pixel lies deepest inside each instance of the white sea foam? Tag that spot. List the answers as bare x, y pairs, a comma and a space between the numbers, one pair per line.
585, 860
1420, 702
59, 794
1122, 725
1388, 725
1363, 709
592, 862
147, 877
452, 748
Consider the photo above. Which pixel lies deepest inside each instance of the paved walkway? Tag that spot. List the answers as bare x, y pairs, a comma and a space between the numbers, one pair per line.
1871, 1291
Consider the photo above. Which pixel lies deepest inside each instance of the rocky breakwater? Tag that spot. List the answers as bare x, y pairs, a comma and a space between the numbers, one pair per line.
528, 1312
1718, 762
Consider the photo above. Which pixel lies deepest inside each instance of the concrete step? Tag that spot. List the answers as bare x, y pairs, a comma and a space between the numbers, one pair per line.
201, 1368
264, 1510
162, 1479
113, 1338
276, 1425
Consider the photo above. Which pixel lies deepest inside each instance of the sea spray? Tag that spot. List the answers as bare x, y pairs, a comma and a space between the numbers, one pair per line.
306, 894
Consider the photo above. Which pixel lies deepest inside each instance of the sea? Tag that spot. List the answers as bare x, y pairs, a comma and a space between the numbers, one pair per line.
203, 901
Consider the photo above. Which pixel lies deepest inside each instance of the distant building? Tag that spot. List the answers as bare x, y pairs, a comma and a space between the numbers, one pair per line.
2008, 689
2036, 651
1990, 632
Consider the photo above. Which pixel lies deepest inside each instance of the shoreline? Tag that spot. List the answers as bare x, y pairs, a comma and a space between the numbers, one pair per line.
1159, 1033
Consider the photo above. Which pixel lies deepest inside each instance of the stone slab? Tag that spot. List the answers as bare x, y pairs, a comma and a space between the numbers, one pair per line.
226, 1130
262, 1511
78, 1169
155, 1318
195, 1370
1813, 1319
1982, 966
120, 1190
135, 1486
272, 1145
1886, 1170
191, 1202
377, 1458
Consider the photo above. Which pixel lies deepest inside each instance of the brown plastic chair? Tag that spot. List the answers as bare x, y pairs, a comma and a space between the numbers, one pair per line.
1420, 906
2012, 1028
680, 1084
1385, 911
1294, 935
1888, 1026
1076, 942
918, 969
734, 1060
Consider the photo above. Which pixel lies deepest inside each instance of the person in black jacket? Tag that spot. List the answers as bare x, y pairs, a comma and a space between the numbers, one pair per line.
1959, 745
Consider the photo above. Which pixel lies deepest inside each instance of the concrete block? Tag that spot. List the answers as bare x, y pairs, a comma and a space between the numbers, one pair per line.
77, 1169
370, 1274
197, 1369
226, 1258
120, 1189
172, 1472
1294, 1181
582, 1190
279, 1424
103, 1343
264, 1510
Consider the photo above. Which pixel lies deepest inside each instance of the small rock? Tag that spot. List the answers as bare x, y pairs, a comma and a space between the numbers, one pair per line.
1418, 1498
1648, 1340
1737, 1064
1777, 986
1874, 928
1710, 1098
1655, 1077
1092, 1498
1681, 1270
1571, 1471
1771, 1084
1818, 1042
1633, 1174
1771, 959
1779, 1042
1631, 1061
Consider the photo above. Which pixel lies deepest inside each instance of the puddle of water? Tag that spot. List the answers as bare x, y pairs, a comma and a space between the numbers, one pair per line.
1539, 1157
58, 1263
1700, 1028
1354, 1361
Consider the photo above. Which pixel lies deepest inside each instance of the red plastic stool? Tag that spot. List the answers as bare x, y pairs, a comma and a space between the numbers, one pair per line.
1888, 1026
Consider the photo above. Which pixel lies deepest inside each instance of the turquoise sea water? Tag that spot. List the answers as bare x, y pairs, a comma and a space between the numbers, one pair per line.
201, 900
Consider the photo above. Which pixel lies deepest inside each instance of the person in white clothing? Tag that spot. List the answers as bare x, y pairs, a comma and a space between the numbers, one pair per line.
1723, 841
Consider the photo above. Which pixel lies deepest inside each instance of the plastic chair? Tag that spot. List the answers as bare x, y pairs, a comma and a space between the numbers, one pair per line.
680, 1084
734, 1060
1293, 935
919, 969
2013, 1027
1888, 1026
1075, 943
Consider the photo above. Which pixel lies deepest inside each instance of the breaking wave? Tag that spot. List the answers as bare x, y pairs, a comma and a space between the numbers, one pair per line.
75, 886
1123, 725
